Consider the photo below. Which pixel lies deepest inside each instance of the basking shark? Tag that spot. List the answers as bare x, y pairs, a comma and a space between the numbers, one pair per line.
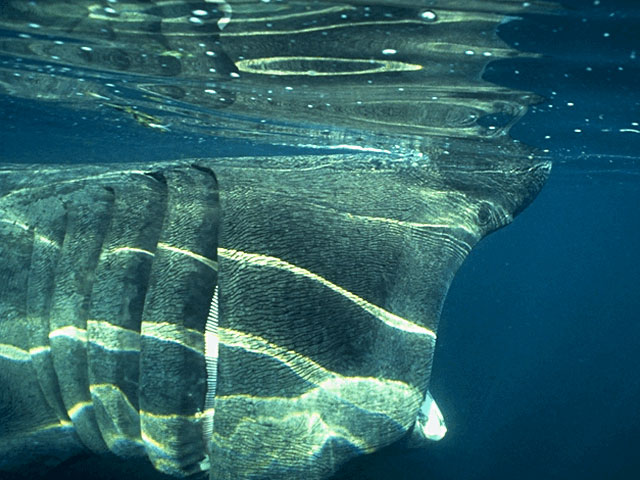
263, 317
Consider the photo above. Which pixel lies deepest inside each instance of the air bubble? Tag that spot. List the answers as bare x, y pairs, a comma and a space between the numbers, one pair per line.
428, 15
389, 51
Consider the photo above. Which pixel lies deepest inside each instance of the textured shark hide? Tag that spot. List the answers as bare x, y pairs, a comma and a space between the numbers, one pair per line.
322, 279
247, 318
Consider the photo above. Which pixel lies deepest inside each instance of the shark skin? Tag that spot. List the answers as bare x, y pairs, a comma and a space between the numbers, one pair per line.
243, 318
331, 273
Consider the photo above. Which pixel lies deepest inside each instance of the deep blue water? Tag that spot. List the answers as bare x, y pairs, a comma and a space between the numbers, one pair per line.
537, 369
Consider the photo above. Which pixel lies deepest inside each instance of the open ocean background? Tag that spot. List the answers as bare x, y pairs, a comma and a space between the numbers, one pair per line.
537, 368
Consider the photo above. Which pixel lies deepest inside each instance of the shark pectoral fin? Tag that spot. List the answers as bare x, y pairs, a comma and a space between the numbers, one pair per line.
429, 424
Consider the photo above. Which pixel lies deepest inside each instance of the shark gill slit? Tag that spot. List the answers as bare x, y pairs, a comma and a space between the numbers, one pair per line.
211, 341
